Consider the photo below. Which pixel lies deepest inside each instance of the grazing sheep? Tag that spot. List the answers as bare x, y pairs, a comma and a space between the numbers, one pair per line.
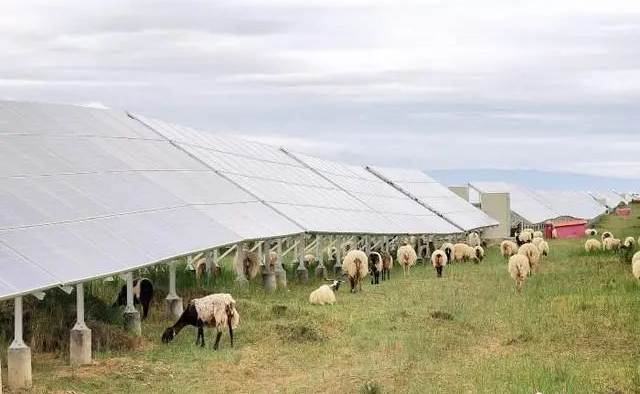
473, 239
387, 264
479, 254
347, 247
214, 310
523, 237
532, 253
537, 234
463, 252
142, 294
201, 268
635, 265
309, 259
629, 243
325, 294
543, 247
406, 257
448, 248
508, 248
248, 263
375, 267
273, 259
536, 241
355, 265
591, 232
439, 260
529, 230
519, 269
592, 245
332, 253
606, 234
611, 243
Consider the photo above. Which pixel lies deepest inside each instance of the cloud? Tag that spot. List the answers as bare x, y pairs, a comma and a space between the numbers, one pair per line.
430, 84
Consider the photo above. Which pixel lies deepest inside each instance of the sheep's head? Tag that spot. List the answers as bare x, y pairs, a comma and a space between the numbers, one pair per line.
335, 284
168, 335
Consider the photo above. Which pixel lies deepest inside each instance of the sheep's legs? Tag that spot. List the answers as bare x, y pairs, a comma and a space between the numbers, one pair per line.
145, 308
439, 271
200, 338
215, 345
352, 281
230, 330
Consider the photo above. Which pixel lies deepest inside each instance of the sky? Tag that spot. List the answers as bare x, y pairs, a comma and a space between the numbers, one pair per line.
455, 84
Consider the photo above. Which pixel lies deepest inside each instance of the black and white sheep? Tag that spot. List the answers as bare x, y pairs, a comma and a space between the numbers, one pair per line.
448, 248
325, 294
214, 310
439, 260
591, 232
606, 234
142, 294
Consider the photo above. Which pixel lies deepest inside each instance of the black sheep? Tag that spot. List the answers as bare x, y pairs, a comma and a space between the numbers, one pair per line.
142, 294
375, 267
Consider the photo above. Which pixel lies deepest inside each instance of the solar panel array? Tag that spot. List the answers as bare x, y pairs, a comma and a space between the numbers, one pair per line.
575, 204
86, 193
435, 196
379, 196
610, 198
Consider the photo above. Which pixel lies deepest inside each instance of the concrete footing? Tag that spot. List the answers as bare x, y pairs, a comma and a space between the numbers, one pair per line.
19, 368
281, 279
80, 345
321, 272
337, 270
269, 280
241, 282
174, 307
132, 322
302, 274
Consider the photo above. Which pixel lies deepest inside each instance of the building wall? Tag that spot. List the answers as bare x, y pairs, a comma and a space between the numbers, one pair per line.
573, 231
498, 206
462, 191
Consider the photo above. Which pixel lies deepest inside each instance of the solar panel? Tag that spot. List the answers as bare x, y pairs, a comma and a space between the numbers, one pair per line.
282, 182
86, 193
435, 196
574, 204
523, 202
380, 196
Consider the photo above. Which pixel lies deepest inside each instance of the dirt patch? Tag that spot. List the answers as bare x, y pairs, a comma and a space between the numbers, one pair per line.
442, 315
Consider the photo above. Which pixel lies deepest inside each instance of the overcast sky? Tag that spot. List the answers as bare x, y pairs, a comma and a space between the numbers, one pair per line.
546, 84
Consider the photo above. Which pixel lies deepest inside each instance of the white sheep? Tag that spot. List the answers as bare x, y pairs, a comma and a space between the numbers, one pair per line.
214, 310
248, 263
406, 257
273, 259
629, 243
606, 234
524, 237
635, 265
463, 252
611, 243
309, 259
519, 269
536, 241
591, 232
439, 260
532, 253
508, 248
355, 264
325, 294
529, 230
543, 247
201, 268
473, 239
537, 234
592, 245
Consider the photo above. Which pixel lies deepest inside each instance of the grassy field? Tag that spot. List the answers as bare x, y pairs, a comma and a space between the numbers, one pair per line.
575, 328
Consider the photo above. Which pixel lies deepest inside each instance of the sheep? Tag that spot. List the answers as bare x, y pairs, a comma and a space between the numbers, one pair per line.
479, 254
247, 263
532, 253
519, 268
387, 264
611, 243
508, 248
447, 248
347, 247
590, 232
201, 268
543, 247
355, 265
635, 265
406, 257
309, 259
142, 294
462, 252
473, 239
375, 267
523, 237
214, 310
529, 230
536, 241
325, 294
439, 260
537, 234
629, 243
332, 253
273, 259
606, 234
592, 245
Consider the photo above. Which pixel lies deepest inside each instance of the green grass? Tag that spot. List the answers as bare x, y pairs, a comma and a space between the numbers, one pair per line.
575, 328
